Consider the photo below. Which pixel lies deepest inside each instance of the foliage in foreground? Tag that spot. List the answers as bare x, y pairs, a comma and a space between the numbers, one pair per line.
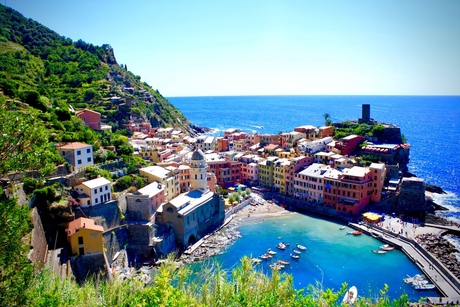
244, 286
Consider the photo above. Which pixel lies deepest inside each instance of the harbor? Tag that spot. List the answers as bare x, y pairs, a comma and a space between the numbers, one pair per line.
402, 236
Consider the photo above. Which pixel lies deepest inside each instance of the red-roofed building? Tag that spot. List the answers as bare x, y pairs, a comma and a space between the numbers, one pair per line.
79, 155
85, 237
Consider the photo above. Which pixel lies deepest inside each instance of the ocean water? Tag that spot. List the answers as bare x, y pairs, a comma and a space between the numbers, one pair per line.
431, 124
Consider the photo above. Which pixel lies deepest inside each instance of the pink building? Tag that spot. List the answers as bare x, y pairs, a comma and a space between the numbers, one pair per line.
91, 118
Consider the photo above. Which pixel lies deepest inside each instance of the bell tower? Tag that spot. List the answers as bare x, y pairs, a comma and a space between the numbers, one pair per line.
198, 172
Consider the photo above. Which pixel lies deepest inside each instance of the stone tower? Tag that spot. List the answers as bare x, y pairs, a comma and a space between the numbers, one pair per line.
366, 114
198, 172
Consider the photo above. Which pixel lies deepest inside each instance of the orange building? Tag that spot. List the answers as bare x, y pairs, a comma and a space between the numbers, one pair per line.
85, 237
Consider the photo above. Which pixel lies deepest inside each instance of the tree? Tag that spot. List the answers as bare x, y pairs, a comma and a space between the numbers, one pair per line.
327, 119
16, 271
23, 142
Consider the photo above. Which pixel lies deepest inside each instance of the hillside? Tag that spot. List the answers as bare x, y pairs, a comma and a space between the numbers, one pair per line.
56, 75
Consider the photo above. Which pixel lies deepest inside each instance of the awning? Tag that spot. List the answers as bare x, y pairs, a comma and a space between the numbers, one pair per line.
373, 217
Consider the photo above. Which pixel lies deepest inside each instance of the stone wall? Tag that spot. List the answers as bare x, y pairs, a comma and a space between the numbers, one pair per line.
38, 241
115, 240
107, 215
90, 265
411, 195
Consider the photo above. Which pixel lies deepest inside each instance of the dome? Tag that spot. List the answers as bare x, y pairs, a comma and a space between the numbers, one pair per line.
198, 155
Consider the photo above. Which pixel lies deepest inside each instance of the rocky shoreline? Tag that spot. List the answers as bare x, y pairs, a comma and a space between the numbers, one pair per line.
441, 249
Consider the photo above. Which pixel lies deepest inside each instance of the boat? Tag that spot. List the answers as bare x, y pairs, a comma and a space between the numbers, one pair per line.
276, 266
357, 233
269, 251
301, 247
295, 256
295, 251
256, 260
387, 247
350, 296
284, 262
286, 243
379, 251
414, 279
424, 286
264, 257
281, 246
342, 228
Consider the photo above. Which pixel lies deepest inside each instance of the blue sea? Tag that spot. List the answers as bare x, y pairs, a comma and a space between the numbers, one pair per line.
430, 124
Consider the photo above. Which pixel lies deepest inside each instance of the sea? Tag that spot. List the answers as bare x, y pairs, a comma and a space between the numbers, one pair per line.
430, 124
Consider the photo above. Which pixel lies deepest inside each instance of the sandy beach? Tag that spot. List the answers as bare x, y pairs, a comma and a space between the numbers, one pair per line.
261, 211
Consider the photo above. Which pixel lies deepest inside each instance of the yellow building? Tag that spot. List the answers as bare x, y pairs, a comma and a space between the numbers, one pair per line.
266, 172
167, 176
85, 237
280, 174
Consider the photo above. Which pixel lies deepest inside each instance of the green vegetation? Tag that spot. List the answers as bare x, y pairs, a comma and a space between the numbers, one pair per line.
243, 286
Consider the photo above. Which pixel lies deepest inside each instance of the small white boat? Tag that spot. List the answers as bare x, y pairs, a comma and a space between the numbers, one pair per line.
342, 228
379, 251
281, 246
256, 260
387, 247
422, 286
276, 266
294, 256
350, 296
264, 257
269, 251
301, 247
412, 279
295, 251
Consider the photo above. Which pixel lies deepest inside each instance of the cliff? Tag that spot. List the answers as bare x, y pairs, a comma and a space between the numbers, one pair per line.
48, 71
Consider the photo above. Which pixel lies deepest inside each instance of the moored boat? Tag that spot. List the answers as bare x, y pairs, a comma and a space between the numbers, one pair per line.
256, 260
295, 256
295, 251
276, 266
301, 247
378, 251
417, 278
423, 286
269, 251
350, 296
387, 247
357, 233
281, 246
342, 228
264, 257
284, 262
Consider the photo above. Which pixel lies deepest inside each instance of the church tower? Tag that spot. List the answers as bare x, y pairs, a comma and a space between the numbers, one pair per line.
198, 172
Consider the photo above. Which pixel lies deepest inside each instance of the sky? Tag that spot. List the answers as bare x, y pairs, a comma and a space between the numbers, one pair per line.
270, 47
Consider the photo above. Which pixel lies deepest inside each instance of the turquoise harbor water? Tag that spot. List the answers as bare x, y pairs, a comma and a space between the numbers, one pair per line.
430, 124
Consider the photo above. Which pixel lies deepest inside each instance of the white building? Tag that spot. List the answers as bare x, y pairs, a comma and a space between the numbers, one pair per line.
79, 155
94, 192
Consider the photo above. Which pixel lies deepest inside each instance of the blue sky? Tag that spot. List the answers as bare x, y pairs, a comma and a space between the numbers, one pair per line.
271, 47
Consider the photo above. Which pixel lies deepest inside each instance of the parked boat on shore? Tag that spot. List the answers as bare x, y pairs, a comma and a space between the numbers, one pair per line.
350, 296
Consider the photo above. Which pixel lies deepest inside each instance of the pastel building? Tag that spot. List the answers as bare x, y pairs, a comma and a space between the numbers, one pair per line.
94, 192
266, 172
142, 204
91, 118
167, 176
85, 237
309, 183
78, 155
353, 189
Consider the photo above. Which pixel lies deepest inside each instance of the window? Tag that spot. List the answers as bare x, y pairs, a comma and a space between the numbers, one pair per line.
100, 189
78, 152
79, 162
80, 240
89, 159
88, 150
95, 191
106, 188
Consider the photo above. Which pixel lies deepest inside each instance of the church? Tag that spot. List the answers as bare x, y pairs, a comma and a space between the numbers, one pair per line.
196, 213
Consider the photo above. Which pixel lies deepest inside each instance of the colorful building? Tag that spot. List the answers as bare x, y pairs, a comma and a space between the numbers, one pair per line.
94, 192
142, 204
78, 155
85, 237
91, 118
